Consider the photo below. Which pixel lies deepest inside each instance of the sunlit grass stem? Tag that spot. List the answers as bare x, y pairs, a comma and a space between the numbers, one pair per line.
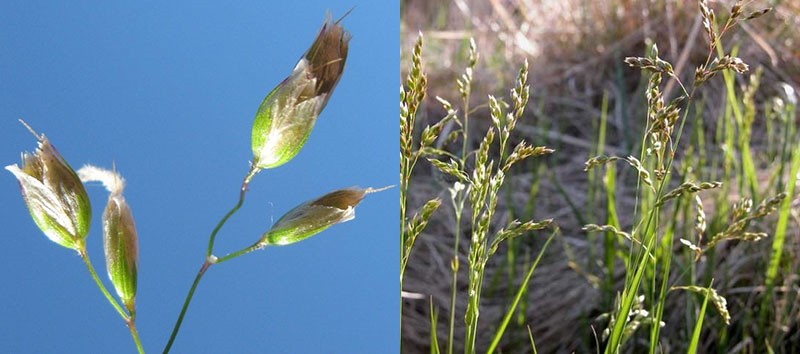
129, 319
518, 297
465, 86
698, 326
779, 240
185, 306
210, 259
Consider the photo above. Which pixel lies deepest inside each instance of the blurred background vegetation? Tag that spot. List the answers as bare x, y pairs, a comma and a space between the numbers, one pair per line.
576, 49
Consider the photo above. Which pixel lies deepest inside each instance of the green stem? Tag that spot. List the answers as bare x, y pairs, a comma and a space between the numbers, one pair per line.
203, 268
135, 335
85, 257
459, 209
128, 319
210, 259
255, 246
242, 191
454, 284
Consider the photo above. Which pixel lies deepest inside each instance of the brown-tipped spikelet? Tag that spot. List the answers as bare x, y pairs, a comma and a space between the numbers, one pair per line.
54, 195
120, 241
288, 113
312, 217
122, 249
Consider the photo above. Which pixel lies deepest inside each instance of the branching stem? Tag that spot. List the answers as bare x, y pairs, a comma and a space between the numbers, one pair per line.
210, 259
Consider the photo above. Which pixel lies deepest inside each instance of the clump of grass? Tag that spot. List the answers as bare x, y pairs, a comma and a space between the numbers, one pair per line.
478, 175
688, 207
647, 270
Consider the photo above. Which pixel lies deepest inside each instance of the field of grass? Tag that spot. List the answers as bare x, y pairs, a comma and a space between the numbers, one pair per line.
612, 176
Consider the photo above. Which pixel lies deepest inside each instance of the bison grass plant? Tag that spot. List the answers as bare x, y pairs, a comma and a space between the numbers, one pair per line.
684, 242
59, 204
475, 191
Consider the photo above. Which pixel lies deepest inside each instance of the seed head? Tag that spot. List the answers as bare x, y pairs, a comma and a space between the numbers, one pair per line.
314, 216
54, 194
288, 113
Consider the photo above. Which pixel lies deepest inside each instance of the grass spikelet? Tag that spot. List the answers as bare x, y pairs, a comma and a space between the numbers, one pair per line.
717, 300
687, 188
742, 215
644, 175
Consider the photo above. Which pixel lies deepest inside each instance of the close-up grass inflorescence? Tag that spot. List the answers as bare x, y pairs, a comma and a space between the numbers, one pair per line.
59, 205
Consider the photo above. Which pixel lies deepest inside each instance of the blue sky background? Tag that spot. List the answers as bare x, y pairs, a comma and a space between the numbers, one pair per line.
168, 92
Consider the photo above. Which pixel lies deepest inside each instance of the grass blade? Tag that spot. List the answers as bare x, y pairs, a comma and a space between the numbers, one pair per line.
698, 326
520, 292
533, 344
434, 336
779, 239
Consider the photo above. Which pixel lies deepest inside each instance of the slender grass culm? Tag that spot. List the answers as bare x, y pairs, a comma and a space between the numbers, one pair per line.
59, 204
